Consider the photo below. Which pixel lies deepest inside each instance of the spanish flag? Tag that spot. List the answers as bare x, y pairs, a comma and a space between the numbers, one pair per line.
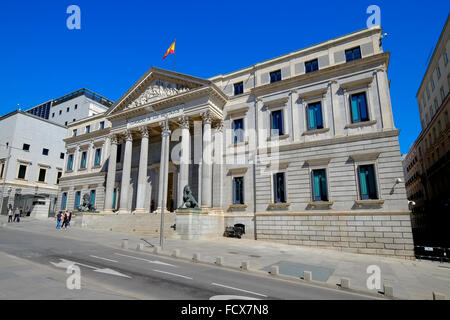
170, 50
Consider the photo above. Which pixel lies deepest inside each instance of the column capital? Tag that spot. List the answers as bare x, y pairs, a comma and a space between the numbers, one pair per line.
144, 131
113, 138
207, 117
164, 125
183, 122
219, 125
128, 135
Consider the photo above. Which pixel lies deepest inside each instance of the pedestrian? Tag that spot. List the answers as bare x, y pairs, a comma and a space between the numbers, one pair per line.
69, 219
16, 215
65, 221
58, 220
10, 214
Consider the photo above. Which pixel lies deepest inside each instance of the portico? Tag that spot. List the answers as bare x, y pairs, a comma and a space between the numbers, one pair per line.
138, 124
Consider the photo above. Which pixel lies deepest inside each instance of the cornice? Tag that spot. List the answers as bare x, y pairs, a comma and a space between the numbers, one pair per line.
382, 58
88, 136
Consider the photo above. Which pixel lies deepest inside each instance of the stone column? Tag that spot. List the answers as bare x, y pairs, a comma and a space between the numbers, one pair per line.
185, 157
163, 166
207, 161
385, 99
141, 206
218, 166
126, 174
339, 117
111, 177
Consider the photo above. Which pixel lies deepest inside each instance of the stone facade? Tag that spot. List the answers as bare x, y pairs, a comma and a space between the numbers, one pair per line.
171, 130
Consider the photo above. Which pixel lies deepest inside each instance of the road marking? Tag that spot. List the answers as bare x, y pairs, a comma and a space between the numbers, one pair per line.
149, 261
228, 287
173, 274
64, 264
102, 258
230, 297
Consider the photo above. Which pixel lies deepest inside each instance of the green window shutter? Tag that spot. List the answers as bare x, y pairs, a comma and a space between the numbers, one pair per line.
372, 182
323, 184
363, 183
311, 118
316, 185
355, 111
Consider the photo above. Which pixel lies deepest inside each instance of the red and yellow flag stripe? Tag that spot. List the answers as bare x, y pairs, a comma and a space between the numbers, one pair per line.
170, 50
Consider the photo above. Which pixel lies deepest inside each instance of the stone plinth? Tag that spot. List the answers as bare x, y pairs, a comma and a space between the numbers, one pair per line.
196, 224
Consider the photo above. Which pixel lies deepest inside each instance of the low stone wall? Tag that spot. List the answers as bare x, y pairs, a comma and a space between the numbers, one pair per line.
384, 235
142, 224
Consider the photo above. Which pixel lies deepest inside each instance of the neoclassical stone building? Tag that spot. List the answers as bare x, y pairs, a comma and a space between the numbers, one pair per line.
300, 149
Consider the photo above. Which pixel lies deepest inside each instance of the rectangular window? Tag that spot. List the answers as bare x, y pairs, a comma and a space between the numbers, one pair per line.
83, 160
102, 125
74, 132
367, 182
445, 58
22, 172
2, 170
26, 147
58, 177
319, 185
42, 173
314, 116
88, 129
93, 198
77, 200
438, 71
76, 107
61, 155
353, 54
70, 162
63, 201
442, 94
311, 66
432, 85
53, 115
275, 76
238, 88
279, 187
276, 123
359, 110
68, 108
238, 190
45, 152
60, 112
238, 130
98, 157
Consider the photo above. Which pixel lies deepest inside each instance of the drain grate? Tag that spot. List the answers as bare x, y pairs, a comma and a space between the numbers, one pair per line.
293, 269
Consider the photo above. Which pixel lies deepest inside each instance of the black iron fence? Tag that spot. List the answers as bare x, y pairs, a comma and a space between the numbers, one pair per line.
432, 253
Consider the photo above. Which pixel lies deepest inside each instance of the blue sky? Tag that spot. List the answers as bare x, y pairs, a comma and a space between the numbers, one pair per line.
40, 59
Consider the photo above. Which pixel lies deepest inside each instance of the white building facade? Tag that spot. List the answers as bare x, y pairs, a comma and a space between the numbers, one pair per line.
32, 155
300, 149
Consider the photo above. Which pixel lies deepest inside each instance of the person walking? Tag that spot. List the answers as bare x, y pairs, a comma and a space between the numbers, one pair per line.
16, 215
58, 220
10, 214
69, 219
65, 221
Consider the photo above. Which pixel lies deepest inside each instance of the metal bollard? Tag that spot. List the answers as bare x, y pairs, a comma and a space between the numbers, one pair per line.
124, 244
140, 247
388, 291
196, 257
157, 250
245, 265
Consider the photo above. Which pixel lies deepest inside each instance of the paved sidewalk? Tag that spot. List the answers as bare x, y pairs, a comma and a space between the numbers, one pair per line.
410, 279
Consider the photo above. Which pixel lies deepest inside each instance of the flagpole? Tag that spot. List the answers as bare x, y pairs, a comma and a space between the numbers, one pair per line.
175, 55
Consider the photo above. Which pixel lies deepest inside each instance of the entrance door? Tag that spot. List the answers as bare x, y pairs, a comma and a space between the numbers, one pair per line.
170, 200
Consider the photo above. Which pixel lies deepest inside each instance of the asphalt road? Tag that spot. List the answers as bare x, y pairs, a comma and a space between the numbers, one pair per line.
130, 274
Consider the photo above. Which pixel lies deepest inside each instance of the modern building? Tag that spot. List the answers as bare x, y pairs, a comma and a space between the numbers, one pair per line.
428, 162
32, 155
300, 149
72, 107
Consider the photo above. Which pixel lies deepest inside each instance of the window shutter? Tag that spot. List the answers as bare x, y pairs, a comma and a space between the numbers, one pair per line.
363, 106
355, 113
319, 119
311, 118
363, 183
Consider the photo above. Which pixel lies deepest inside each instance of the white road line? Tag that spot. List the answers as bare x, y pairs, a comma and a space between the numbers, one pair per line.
149, 261
103, 258
173, 274
228, 287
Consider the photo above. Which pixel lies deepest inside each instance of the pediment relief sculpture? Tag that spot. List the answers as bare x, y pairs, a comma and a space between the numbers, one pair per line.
158, 90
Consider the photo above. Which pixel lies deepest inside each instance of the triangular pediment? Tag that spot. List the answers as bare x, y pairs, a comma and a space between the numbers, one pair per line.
155, 85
